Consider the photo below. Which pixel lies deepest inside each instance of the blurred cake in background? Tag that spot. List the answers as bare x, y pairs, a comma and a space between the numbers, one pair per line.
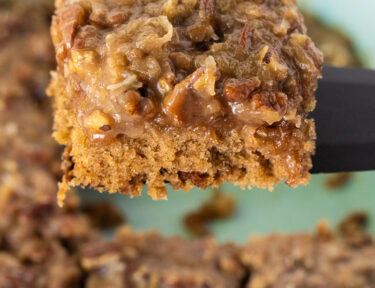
337, 48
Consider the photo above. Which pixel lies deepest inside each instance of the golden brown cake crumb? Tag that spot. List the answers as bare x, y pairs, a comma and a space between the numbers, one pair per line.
220, 206
191, 94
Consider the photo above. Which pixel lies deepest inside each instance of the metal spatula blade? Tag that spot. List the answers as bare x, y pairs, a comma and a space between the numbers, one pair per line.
345, 121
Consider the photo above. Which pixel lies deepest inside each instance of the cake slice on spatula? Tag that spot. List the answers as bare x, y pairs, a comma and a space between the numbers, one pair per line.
190, 93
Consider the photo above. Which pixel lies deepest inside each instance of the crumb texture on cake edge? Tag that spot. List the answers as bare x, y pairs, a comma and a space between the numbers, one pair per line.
106, 168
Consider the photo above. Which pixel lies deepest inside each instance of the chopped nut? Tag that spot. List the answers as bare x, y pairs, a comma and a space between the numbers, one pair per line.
253, 11
213, 108
296, 48
291, 14
98, 17
182, 60
267, 57
282, 28
148, 68
86, 37
128, 81
207, 9
245, 40
174, 9
147, 108
115, 63
268, 107
202, 81
117, 17
96, 120
134, 104
200, 32
262, 54
299, 39
71, 18
239, 90
81, 59
205, 84
106, 19
175, 100
105, 128
272, 63
266, 114
277, 101
164, 86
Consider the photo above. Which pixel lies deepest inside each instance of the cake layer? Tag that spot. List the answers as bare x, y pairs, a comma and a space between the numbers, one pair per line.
192, 93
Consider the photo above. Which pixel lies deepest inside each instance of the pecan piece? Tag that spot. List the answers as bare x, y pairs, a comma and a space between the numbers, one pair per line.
278, 101
239, 90
245, 37
202, 82
105, 128
182, 60
179, 9
64, 29
96, 120
205, 84
86, 37
207, 9
200, 32
175, 100
260, 108
267, 58
110, 18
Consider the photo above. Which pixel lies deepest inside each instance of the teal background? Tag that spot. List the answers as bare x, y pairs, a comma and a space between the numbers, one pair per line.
285, 209
355, 17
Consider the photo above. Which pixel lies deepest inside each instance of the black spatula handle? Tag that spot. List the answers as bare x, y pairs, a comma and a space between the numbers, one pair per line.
345, 121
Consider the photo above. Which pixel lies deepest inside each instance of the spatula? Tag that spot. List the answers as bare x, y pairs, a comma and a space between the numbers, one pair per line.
345, 121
